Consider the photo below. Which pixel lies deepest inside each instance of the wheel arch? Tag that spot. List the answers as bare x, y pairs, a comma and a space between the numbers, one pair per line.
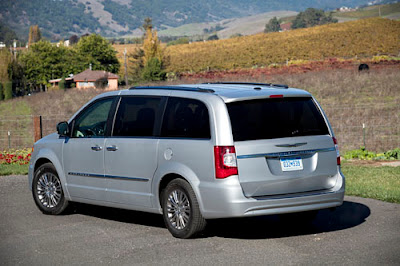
48, 156
169, 172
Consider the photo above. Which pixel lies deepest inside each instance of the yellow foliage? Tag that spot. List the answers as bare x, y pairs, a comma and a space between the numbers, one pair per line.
361, 38
151, 46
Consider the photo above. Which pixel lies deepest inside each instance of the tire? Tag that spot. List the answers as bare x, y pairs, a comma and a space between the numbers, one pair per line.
47, 190
181, 210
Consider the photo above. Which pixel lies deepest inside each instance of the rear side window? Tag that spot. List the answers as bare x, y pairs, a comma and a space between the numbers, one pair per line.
186, 118
136, 116
276, 118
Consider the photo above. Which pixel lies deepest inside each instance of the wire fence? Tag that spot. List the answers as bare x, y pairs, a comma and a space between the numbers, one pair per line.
377, 127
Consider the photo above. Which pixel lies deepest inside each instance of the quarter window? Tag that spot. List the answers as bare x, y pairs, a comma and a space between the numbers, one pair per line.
186, 118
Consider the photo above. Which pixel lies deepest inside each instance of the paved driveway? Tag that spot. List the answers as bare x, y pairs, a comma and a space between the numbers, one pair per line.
361, 232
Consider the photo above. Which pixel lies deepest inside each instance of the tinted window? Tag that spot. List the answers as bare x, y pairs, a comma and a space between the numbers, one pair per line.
275, 118
92, 121
186, 118
136, 116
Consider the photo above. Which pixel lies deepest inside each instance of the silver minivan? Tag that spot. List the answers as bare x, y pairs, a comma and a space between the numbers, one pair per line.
192, 153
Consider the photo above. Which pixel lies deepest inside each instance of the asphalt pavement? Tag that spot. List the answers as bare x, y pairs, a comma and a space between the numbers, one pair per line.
360, 232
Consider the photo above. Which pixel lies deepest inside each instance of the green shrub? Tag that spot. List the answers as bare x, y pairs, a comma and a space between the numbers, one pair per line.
8, 91
364, 154
393, 154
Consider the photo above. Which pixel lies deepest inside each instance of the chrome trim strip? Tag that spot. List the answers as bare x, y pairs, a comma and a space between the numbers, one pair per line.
110, 176
284, 154
291, 145
127, 178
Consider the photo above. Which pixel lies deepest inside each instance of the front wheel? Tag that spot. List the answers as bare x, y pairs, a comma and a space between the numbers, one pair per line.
47, 190
181, 210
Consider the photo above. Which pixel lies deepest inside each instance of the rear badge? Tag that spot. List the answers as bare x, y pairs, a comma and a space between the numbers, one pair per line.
293, 164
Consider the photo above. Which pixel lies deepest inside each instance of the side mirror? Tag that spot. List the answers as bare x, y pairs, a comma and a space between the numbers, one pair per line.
63, 129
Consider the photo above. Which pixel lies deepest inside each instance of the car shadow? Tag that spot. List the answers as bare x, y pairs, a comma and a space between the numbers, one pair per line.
118, 215
349, 215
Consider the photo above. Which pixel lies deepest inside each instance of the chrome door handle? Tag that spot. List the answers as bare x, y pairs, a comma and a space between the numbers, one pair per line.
97, 148
112, 148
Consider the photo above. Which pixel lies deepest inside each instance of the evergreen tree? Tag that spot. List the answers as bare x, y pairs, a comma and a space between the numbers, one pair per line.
153, 71
1, 92
8, 93
273, 25
34, 35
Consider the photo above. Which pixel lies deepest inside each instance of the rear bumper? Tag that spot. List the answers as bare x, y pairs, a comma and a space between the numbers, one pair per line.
226, 199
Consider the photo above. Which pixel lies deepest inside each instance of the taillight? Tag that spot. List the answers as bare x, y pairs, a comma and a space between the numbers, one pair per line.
225, 161
276, 96
337, 151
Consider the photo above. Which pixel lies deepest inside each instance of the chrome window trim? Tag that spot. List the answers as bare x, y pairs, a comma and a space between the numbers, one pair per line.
284, 154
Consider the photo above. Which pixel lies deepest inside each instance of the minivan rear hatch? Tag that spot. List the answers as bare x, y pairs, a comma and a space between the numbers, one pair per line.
283, 146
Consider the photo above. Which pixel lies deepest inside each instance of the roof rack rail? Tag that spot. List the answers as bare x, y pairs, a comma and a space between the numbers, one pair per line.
251, 83
178, 88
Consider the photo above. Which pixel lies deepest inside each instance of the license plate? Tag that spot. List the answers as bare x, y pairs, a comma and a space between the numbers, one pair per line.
293, 164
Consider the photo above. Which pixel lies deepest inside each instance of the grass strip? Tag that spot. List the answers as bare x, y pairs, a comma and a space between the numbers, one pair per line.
13, 169
381, 183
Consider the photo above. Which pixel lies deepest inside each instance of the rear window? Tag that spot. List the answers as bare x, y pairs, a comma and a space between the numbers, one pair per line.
276, 118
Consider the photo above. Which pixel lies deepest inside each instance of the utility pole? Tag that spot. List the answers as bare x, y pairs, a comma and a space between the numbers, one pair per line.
126, 68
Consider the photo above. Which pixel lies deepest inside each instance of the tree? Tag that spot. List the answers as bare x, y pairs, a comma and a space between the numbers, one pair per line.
312, 17
73, 40
96, 50
153, 70
34, 35
17, 77
5, 59
153, 59
273, 25
1, 92
136, 65
44, 61
213, 37
147, 24
8, 91
7, 35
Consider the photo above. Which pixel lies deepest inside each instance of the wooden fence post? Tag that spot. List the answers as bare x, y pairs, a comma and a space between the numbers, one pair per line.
37, 126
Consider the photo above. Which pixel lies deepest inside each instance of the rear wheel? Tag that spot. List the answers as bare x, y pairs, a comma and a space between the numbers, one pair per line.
47, 190
181, 210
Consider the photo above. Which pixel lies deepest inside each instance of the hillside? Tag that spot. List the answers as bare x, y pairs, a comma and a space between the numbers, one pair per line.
245, 25
62, 18
391, 11
361, 38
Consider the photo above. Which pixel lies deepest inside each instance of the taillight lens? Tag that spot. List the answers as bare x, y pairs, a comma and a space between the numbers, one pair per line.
337, 151
225, 161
